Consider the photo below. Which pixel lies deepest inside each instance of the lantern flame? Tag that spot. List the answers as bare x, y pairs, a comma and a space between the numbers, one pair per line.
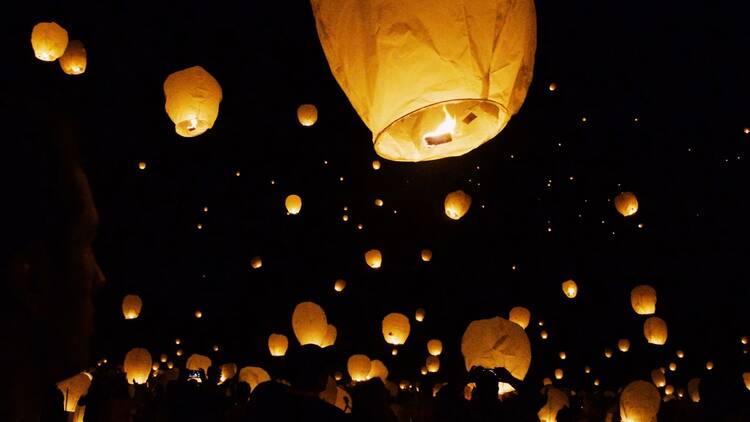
444, 132
193, 124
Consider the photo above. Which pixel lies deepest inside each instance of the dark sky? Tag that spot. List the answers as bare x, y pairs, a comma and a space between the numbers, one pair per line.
679, 68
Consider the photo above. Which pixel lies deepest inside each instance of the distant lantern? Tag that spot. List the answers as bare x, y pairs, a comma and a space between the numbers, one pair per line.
256, 262
626, 204
693, 388
253, 375
137, 366
426, 255
746, 379
178, 352
556, 400
196, 362
596, 381
639, 401
192, 100
378, 202
435, 347
277, 344
307, 114
672, 366
73, 62
680, 354
643, 300
330, 337
655, 330
359, 367
423, 370
570, 288
49, 41
744, 339
558, 374
709, 365
378, 370
131, 306
170, 365
520, 316
373, 258
228, 371
543, 334
73, 389
669, 390
562, 355
198, 313
457, 204
142, 165
309, 323
587, 369
339, 285
496, 343
425, 89
338, 375
155, 367
432, 364
163, 358
375, 165
396, 328
394, 352
552, 86
658, 378
607, 353
419, 315
216, 348
293, 204
623, 344
177, 341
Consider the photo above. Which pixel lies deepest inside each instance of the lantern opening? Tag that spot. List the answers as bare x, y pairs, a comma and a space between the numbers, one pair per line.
444, 132
191, 127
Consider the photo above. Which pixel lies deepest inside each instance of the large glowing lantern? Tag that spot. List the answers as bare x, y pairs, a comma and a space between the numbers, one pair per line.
307, 114
253, 375
655, 331
626, 204
73, 389
657, 376
277, 344
228, 371
378, 370
639, 402
330, 337
496, 342
359, 367
693, 388
435, 347
309, 323
73, 62
193, 98
293, 204
556, 400
643, 300
396, 328
373, 258
457, 204
49, 41
196, 362
131, 306
137, 366
520, 316
428, 89
432, 364
570, 288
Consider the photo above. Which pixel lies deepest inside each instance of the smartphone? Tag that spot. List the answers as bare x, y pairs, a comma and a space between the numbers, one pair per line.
193, 373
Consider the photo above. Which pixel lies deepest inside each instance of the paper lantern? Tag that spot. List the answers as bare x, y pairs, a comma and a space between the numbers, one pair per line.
215, 348
373, 258
339, 285
563, 355
396, 328
177, 341
558, 374
570, 288
178, 352
607, 353
378, 370
426, 255
293, 204
623, 345
137, 366
744, 339
423, 370
668, 390
378, 202
626, 204
73, 62
198, 313
643, 300
163, 358
228, 371
419, 315
709, 365
457, 204
680, 354
253, 375
49, 41
587, 369
655, 330
277, 344
307, 114
330, 337
256, 262
192, 100
309, 323
746, 379
672, 366
79, 414
520, 316
155, 367
196, 362
435, 347
556, 400
658, 378
170, 365
543, 334
338, 375
131, 306
639, 402
694, 390
496, 342
359, 367
73, 389
425, 88
432, 364
375, 165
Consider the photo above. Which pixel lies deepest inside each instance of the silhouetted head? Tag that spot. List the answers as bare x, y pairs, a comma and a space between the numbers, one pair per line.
214, 375
307, 369
242, 393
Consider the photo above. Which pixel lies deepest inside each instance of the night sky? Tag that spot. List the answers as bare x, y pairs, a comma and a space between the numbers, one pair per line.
651, 98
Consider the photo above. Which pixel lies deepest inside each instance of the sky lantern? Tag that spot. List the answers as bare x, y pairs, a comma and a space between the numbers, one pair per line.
432, 364
375, 165
626, 204
744, 339
607, 353
49, 40
562, 355
277, 344
672, 366
655, 330
426, 255
435, 347
163, 358
228, 371
256, 262
680, 354
520, 316
396, 328
198, 314
359, 367
192, 100
693, 388
419, 315
423, 370
643, 300
570, 288
669, 390
709, 365
73, 61
378, 202
543, 334
131, 306
457, 204
497, 343
339, 285
137, 366
373, 258
253, 375
196, 362
378, 370
307, 114
430, 90
657, 376
330, 337
639, 402
556, 400
623, 344
309, 323
746, 379
73, 389
558, 374
293, 204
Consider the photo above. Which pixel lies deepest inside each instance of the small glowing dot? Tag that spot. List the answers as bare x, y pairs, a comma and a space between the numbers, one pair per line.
205, 209
572, 178
237, 173
346, 208
640, 225
583, 119
378, 202
345, 217
394, 352
359, 226
216, 347
549, 229
325, 162
635, 119
552, 86
395, 211
142, 165
273, 182
513, 268
200, 226
341, 179
746, 131
511, 156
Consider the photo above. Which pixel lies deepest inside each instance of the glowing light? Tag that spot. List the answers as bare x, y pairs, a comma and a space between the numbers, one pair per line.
444, 132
